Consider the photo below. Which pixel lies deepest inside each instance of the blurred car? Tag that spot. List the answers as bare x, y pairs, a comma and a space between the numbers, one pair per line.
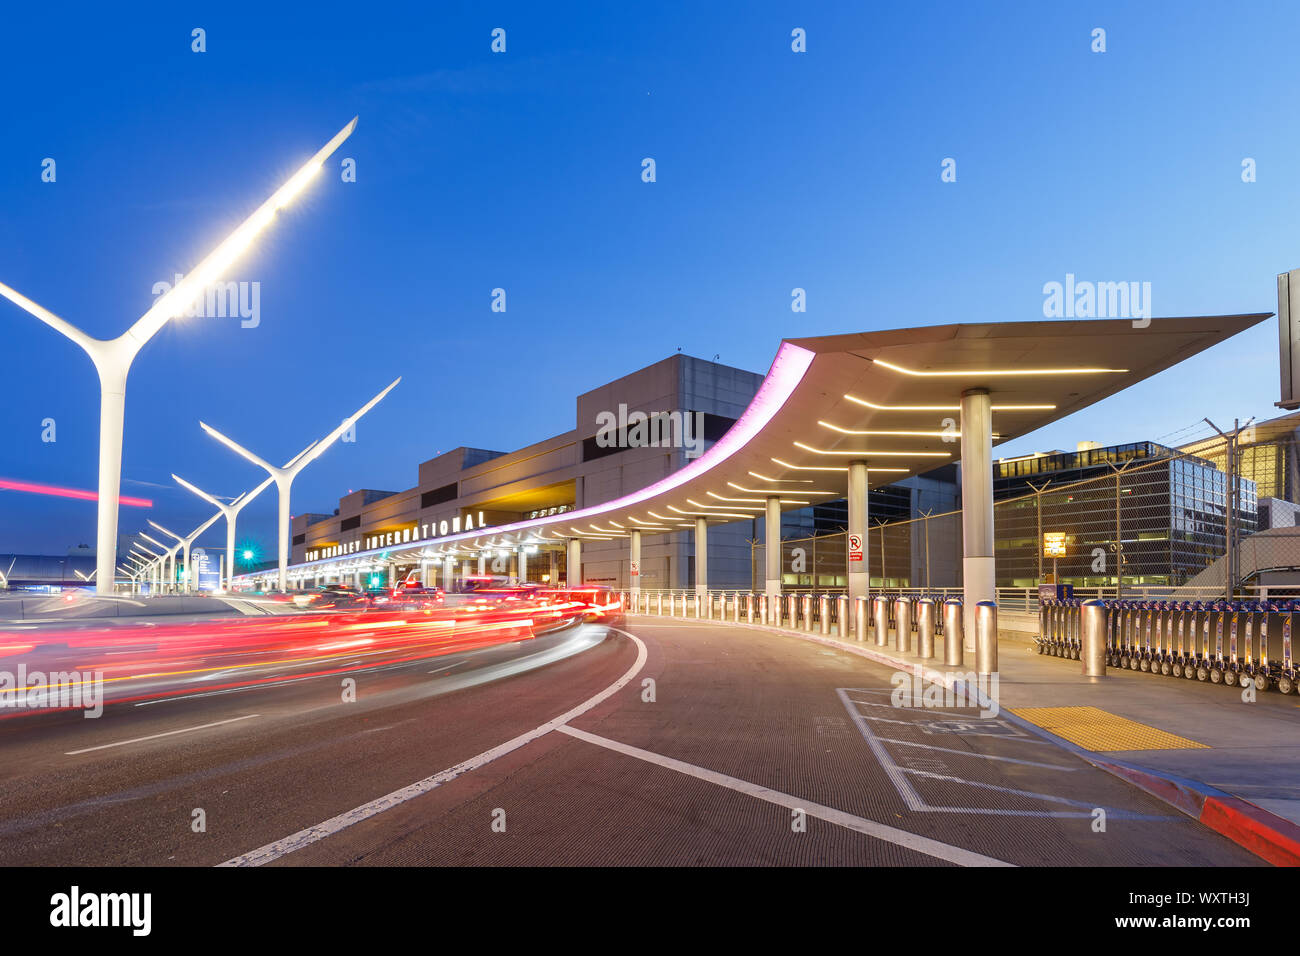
279, 597
416, 598
594, 604
330, 596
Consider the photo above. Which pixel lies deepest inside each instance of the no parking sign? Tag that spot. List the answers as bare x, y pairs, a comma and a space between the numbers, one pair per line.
855, 547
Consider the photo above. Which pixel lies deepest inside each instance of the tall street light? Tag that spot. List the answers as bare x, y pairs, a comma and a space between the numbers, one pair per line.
166, 563
284, 477
148, 559
113, 357
187, 542
231, 511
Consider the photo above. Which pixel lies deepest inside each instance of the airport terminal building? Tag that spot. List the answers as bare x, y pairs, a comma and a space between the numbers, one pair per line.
627, 434
670, 476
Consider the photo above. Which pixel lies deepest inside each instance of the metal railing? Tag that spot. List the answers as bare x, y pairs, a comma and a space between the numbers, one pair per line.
920, 623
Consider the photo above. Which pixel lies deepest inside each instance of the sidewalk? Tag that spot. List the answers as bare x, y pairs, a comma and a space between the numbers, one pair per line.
1234, 765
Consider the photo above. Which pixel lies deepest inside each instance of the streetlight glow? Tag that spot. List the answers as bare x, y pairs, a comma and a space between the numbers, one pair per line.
112, 358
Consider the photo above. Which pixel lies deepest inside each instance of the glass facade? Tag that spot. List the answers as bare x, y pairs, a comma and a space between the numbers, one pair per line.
1169, 511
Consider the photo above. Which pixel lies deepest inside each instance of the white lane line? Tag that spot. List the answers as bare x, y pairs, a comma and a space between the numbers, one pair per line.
296, 841
903, 838
980, 756
439, 670
170, 733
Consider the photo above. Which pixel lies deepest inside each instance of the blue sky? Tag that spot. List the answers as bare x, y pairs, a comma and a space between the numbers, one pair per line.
522, 170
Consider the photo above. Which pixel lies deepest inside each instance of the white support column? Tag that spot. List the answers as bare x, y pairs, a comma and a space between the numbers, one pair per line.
574, 567
772, 548
701, 557
859, 571
634, 563
449, 573
554, 557
392, 574
482, 563
426, 575
978, 578
522, 554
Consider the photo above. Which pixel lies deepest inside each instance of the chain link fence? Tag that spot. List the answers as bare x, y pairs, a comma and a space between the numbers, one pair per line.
1142, 523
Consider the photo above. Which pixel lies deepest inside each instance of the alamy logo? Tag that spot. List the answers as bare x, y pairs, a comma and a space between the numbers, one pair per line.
626, 429
64, 689
222, 300
1098, 300
953, 690
75, 908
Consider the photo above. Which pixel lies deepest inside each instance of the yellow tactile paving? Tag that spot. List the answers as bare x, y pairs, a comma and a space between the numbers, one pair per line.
1095, 729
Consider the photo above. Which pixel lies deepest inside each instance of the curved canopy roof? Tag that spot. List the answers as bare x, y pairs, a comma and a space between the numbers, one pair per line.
888, 398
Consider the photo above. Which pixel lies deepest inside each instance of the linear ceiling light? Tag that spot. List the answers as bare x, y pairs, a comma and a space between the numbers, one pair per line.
995, 371
863, 453
780, 491
943, 408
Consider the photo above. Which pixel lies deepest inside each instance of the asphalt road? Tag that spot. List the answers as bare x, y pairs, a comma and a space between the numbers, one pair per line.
667, 743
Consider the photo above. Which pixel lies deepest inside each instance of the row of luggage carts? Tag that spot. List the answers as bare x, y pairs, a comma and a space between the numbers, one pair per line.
1223, 642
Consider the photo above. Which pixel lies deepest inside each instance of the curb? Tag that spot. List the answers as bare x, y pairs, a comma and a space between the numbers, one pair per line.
1270, 837
1267, 835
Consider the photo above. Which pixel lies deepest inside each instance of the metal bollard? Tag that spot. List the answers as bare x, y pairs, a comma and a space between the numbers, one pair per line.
791, 610
824, 613
860, 618
953, 625
842, 616
903, 625
659, 604
880, 615
1093, 615
749, 608
672, 604
986, 637
762, 609
925, 628
807, 605
735, 607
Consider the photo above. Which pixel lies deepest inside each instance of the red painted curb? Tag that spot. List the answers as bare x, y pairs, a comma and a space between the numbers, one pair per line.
1267, 835
1172, 792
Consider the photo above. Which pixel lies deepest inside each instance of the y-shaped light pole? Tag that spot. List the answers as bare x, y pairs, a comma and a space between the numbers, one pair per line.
166, 563
231, 511
146, 562
135, 568
186, 543
113, 357
284, 476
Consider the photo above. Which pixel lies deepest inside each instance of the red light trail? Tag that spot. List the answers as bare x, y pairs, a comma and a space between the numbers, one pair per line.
32, 488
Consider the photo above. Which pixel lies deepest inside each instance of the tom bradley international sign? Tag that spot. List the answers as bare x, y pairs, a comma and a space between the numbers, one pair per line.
429, 531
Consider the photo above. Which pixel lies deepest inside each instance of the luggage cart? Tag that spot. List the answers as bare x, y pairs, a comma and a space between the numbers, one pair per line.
1285, 675
1112, 634
1178, 662
1222, 611
1148, 614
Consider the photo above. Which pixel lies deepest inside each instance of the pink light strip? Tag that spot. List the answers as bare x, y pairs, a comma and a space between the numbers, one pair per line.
32, 488
787, 371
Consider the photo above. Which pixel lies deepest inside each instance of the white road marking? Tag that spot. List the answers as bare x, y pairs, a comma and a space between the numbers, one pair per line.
881, 831
170, 733
296, 841
971, 753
